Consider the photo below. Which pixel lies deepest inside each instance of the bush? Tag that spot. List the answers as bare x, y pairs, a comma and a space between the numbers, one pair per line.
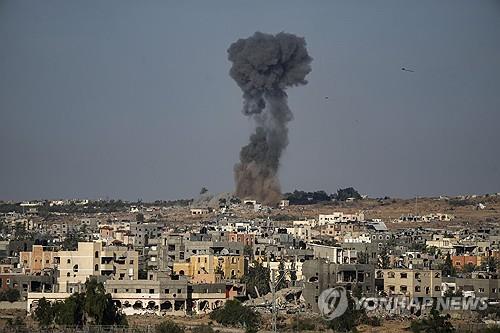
434, 323
491, 329
168, 327
10, 295
17, 325
203, 329
306, 324
237, 315
373, 321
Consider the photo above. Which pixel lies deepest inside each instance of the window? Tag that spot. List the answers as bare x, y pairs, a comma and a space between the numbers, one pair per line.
151, 291
131, 261
75, 268
96, 255
179, 291
403, 288
437, 288
96, 267
69, 261
403, 275
68, 274
392, 288
115, 290
417, 289
167, 291
138, 291
390, 275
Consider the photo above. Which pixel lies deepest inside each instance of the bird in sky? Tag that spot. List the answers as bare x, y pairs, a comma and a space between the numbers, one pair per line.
407, 70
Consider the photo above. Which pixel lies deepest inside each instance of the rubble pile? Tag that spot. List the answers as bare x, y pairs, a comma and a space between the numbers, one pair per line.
287, 299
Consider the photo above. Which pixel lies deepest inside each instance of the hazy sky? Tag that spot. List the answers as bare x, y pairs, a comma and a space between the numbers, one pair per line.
132, 99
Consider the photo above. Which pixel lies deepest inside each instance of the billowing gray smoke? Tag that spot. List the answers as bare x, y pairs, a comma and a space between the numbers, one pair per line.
264, 66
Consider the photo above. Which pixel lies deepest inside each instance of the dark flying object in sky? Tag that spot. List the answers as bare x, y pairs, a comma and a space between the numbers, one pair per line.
407, 70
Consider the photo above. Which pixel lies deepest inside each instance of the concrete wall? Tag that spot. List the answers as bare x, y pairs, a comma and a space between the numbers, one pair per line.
4, 305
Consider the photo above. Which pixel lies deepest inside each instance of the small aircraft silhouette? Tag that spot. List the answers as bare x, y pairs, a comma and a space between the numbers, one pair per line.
407, 70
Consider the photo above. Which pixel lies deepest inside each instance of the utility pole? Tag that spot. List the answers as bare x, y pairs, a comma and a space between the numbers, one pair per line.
273, 291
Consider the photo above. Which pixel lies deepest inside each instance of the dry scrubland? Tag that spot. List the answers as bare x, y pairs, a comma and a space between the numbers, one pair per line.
465, 211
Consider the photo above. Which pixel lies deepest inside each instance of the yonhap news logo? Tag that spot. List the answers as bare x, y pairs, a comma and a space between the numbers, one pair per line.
333, 303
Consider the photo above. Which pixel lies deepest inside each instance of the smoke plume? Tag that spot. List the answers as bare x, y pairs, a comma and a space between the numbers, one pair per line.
264, 66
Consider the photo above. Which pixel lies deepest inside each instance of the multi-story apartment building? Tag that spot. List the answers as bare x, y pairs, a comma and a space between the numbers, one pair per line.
478, 284
321, 274
334, 254
202, 268
94, 259
342, 228
411, 283
161, 296
337, 217
37, 260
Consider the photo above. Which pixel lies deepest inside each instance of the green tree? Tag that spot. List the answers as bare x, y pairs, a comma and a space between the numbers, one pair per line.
168, 326
490, 264
435, 323
44, 313
11, 295
345, 193
71, 311
233, 313
448, 269
203, 190
20, 231
469, 268
93, 305
99, 306
248, 251
258, 276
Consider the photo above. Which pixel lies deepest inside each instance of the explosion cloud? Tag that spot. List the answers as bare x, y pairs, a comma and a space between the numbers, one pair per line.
264, 66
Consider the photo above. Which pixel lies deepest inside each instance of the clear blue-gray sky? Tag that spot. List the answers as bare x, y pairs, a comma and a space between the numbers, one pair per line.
132, 99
